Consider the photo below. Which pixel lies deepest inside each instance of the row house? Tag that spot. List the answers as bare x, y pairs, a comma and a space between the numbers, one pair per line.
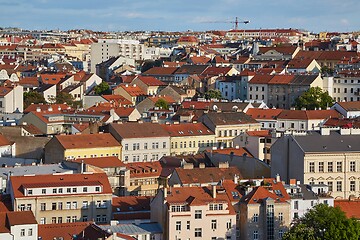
281, 90
141, 141
69, 147
266, 117
60, 198
333, 161
194, 213
150, 85
189, 138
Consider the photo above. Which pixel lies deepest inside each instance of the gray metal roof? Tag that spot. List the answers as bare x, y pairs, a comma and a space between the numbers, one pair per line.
133, 229
335, 142
37, 170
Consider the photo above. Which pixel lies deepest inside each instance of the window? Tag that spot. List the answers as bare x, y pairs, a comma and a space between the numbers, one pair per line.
352, 186
68, 219
126, 147
256, 217
198, 214
85, 218
68, 190
22, 207
42, 220
213, 224
228, 224
164, 144
136, 146
281, 217
178, 226
74, 205
22, 232
60, 190
103, 218
321, 166
188, 225
145, 146
330, 184
339, 186
59, 219
281, 233
296, 204
311, 167
68, 205
28, 207
30, 232
54, 190
74, 190
85, 204
30, 192
255, 235
330, 166
85, 189
73, 219
97, 189
53, 206
339, 166
352, 166
42, 206
198, 232
43, 191
98, 204
53, 220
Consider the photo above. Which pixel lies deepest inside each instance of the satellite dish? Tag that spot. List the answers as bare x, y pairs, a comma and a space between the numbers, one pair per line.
215, 108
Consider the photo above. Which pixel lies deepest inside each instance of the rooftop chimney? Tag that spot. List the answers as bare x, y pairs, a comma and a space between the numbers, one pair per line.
214, 191
278, 178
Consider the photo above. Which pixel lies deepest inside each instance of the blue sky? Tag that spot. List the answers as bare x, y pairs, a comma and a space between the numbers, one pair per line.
180, 15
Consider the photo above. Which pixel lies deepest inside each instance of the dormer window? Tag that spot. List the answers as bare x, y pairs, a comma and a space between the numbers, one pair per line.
43, 191
54, 190
30, 192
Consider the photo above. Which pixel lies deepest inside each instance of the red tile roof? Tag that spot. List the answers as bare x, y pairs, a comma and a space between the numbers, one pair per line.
44, 107
308, 114
350, 106
52, 78
258, 113
131, 204
99, 140
206, 175
120, 100
198, 196
5, 90
260, 133
167, 98
350, 207
187, 129
102, 162
261, 79
216, 71
281, 79
151, 81
132, 90
58, 180
64, 230
4, 141
236, 151
160, 71
139, 130
188, 39
144, 169
200, 60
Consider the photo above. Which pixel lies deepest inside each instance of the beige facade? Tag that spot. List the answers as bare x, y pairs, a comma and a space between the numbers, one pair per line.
194, 213
256, 224
60, 198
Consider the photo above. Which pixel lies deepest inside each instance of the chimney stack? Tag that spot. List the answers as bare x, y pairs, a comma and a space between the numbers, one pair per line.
214, 191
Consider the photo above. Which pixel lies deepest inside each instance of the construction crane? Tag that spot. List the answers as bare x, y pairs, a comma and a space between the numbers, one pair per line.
236, 22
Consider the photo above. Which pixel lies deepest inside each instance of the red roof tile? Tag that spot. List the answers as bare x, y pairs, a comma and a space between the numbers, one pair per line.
308, 114
187, 129
258, 113
151, 81
102, 162
144, 169
100, 140
350, 207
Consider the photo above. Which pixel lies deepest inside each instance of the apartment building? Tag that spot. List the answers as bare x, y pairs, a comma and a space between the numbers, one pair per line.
59, 198
11, 99
324, 157
141, 141
265, 211
346, 86
69, 147
194, 213
189, 138
18, 225
228, 125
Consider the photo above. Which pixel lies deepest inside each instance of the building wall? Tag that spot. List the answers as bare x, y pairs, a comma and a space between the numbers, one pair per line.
181, 145
76, 213
54, 152
30, 231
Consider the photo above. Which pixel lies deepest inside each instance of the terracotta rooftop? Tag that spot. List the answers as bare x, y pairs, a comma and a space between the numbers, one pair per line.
9, 219
308, 114
206, 175
144, 169
187, 129
87, 141
198, 196
4, 141
350, 207
261, 79
229, 118
18, 183
131, 204
139, 130
260, 133
132, 90
350, 106
44, 107
64, 230
263, 114
150, 81
160, 71
200, 60
236, 151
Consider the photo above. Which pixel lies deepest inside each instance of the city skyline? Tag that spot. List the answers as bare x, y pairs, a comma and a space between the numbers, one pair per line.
161, 15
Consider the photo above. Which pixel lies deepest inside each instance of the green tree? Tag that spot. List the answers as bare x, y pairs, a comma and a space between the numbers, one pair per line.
162, 104
324, 223
67, 98
327, 70
213, 94
314, 98
102, 88
33, 97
